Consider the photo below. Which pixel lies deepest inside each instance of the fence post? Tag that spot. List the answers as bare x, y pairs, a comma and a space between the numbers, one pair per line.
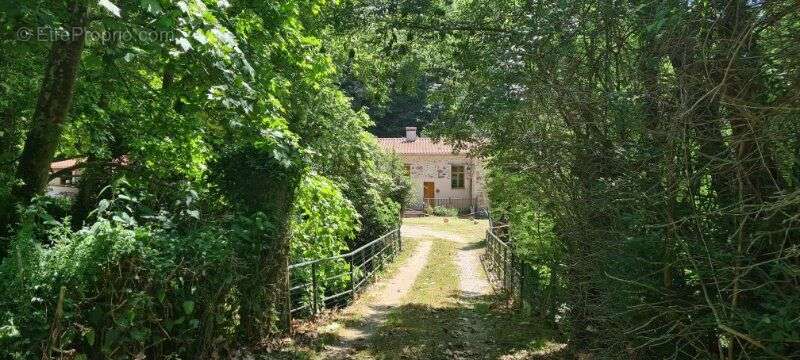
372, 256
514, 277
512, 270
498, 256
382, 254
505, 267
525, 289
315, 306
363, 266
489, 249
399, 240
352, 278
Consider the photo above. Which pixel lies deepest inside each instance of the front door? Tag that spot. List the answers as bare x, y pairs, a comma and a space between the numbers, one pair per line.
429, 193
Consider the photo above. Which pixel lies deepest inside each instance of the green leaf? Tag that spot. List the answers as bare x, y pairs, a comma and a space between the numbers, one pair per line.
184, 43
200, 37
9, 331
103, 205
108, 5
188, 307
194, 213
89, 336
151, 6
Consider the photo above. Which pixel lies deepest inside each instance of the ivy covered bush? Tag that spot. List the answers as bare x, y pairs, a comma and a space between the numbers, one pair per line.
534, 242
112, 290
372, 180
378, 195
121, 289
324, 222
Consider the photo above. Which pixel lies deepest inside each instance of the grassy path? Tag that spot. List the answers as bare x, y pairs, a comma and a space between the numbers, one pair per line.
435, 303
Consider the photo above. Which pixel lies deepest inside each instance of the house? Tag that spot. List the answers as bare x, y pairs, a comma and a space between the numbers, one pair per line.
65, 175
440, 175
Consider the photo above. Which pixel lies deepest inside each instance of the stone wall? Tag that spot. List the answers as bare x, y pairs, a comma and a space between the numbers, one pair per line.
437, 169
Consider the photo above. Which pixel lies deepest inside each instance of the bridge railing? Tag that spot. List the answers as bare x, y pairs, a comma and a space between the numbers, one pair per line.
517, 278
336, 281
450, 203
500, 260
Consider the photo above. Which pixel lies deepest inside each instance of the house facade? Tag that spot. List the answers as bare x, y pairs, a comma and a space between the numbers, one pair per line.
440, 176
66, 183
65, 175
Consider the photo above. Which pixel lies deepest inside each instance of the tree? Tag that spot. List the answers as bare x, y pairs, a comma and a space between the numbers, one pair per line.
648, 136
55, 98
195, 123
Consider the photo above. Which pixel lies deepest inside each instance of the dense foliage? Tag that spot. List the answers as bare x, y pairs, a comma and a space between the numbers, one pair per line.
646, 157
379, 67
215, 146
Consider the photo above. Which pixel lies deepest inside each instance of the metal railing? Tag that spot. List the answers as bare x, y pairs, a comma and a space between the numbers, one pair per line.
450, 203
500, 260
336, 281
519, 279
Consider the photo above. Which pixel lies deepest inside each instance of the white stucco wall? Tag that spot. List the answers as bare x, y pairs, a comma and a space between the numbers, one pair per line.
54, 188
437, 168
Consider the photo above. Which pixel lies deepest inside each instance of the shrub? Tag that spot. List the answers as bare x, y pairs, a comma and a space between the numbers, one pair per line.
115, 291
441, 211
323, 222
142, 290
372, 180
375, 183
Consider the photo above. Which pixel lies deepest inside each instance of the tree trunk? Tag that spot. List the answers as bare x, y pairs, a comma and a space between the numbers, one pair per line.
55, 98
275, 261
265, 306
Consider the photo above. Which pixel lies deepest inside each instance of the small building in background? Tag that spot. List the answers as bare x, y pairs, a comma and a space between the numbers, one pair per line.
65, 182
65, 174
440, 175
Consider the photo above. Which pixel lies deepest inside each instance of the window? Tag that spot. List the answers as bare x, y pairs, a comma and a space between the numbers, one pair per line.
65, 179
457, 176
407, 169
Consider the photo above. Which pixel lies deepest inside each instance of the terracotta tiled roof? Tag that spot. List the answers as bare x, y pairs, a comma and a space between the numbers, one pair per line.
70, 163
64, 164
420, 146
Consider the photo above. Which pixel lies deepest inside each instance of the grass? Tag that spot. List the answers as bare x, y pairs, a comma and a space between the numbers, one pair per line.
440, 276
409, 244
437, 323
472, 230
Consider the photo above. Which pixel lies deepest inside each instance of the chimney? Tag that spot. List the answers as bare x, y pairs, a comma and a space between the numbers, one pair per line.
411, 134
